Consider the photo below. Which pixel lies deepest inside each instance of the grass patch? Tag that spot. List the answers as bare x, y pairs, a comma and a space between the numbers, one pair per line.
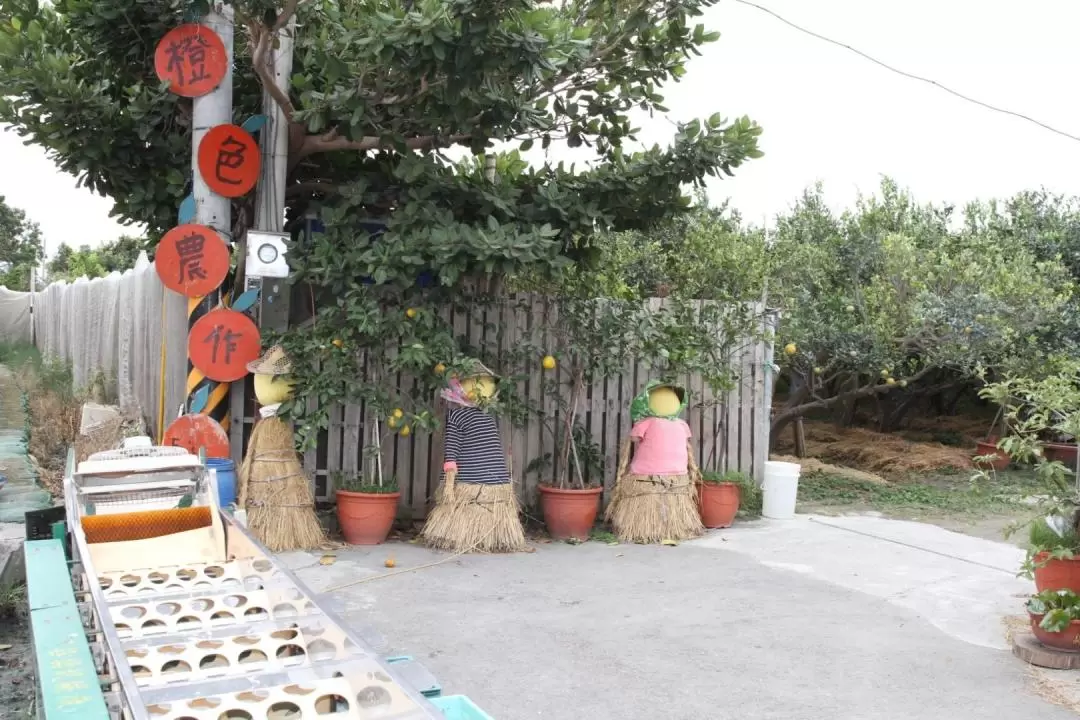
13, 602
951, 494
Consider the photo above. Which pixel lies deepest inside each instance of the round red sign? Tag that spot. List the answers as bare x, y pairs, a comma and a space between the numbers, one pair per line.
229, 160
221, 344
192, 59
193, 432
192, 260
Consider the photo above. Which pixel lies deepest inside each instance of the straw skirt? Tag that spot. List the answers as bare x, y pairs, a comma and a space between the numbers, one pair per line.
655, 508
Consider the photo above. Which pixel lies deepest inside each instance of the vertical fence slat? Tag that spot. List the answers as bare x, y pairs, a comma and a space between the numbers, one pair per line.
350, 440
334, 438
746, 406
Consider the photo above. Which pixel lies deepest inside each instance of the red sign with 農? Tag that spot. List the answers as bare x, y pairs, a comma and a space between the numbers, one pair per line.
229, 160
192, 59
192, 260
193, 432
221, 343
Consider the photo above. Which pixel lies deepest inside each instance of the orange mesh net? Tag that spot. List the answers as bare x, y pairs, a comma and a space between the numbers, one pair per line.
144, 524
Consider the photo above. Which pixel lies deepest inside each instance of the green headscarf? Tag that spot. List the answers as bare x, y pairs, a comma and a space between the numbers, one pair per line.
639, 408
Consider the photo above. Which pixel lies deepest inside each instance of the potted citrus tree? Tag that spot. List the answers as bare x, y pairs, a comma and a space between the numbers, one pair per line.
367, 504
599, 337
1032, 409
365, 509
1055, 619
721, 497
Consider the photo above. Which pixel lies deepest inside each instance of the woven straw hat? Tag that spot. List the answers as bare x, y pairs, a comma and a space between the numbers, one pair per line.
273, 362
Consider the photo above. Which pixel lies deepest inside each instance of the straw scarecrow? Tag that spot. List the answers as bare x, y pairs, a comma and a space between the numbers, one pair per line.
273, 488
655, 497
476, 508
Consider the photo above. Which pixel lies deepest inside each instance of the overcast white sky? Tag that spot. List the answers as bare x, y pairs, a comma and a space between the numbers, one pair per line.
828, 115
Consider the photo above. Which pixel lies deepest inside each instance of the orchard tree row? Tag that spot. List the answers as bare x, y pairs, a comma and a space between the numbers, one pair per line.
890, 306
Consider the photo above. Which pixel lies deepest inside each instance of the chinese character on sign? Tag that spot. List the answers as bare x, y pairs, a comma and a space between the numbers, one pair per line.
192, 59
231, 155
187, 60
221, 344
190, 250
222, 338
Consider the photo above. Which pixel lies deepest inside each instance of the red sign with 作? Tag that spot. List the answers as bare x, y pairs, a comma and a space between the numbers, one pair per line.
193, 432
192, 260
221, 344
192, 59
229, 160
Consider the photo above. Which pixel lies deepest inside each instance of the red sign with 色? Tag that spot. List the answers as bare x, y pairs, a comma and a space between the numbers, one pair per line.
192, 260
229, 160
192, 59
193, 432
221, 344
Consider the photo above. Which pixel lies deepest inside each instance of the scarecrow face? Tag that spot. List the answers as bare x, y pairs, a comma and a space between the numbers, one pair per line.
273, 389
664, 401
477, 388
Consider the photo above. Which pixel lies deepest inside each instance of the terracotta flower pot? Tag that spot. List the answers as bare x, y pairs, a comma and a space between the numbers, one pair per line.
719, 503
1062, 452
569, 513
366, 518
1067, 640
989, 447
1056, 574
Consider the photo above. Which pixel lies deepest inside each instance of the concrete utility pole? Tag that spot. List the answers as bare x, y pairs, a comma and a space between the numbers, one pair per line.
211, 209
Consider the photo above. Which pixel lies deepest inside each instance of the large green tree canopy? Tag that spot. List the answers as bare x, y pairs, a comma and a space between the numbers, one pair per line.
378, 88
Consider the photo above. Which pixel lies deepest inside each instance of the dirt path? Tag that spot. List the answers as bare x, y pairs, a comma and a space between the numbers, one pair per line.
20, 493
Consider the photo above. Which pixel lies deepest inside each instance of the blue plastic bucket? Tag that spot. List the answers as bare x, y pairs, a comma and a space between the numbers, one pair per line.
226, 479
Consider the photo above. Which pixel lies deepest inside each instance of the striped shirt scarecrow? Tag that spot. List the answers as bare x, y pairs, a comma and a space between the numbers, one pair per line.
476, 507
655, 497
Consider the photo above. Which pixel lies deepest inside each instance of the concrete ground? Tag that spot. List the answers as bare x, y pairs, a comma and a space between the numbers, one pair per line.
849, 618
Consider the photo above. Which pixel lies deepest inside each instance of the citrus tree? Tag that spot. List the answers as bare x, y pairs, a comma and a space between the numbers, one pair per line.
380, 89
887, 303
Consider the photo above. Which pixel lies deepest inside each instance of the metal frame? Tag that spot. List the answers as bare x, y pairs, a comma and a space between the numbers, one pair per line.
133, 699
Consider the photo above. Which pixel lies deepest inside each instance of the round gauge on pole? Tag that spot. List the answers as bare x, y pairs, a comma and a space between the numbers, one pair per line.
267, 253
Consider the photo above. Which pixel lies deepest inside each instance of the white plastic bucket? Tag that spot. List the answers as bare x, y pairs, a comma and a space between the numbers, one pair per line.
780, 489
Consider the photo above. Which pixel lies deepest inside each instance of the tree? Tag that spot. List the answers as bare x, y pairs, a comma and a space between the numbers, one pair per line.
376, 80
21, 247
121, 254
70, 264
380, 89
887, 304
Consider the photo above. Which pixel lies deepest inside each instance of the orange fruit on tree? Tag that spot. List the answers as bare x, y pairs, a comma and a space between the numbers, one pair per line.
548, 362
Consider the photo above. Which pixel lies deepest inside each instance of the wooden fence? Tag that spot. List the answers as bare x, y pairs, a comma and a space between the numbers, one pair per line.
731, 432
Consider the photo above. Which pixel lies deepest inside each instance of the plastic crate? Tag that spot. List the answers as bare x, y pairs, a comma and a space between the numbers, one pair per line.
460, 707
416, 675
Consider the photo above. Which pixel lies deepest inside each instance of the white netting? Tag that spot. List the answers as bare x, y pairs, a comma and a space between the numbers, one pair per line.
14, 316
114, 325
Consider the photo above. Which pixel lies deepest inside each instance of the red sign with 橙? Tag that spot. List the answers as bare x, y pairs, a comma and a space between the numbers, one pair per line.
192, 260
229, 160
221, 343
192, 59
